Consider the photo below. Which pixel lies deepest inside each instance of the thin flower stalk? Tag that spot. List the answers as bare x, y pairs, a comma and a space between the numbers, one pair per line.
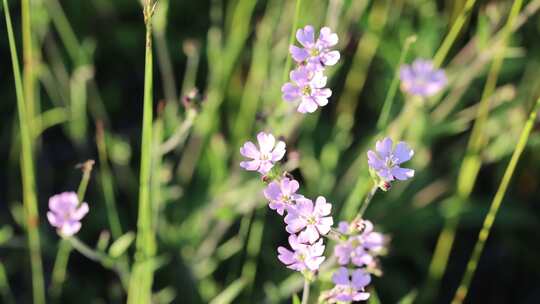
27, 171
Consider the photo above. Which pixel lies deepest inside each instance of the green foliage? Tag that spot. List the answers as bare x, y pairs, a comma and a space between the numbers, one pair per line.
164, 110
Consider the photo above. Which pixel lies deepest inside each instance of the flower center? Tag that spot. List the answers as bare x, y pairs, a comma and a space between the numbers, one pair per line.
285, 198
314, 52
312, 220
265, 156
306, 90
390, 162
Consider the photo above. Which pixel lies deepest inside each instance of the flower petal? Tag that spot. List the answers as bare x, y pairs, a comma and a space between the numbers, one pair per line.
250, 150
266, 142
402, 173
306, 36
384, 147
298, 54
403, 152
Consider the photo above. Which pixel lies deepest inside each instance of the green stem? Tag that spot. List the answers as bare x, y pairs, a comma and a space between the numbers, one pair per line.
29, 75
27, 171
366, 202
471, 163
305, 292
385, 112
140, 286
461, 292
454, 31
294, 26
107, 182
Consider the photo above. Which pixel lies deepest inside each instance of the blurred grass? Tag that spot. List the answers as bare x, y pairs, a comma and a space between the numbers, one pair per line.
215, 239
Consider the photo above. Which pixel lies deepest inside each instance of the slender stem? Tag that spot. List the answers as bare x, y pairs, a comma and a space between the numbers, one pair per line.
29, 75
107, 182
294, 26
88, 252
461, 292
87, 171
305, 292
140, 286
387, 105
471, 163
27, 171
366, 202
454, 31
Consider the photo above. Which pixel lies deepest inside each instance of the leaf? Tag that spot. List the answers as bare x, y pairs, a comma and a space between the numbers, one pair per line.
121, 244
295, 299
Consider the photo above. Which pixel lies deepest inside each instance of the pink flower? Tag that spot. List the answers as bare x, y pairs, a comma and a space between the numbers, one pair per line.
65, 213
282, 194
315, 53
361, 249
303, 257
263, 159
315, 219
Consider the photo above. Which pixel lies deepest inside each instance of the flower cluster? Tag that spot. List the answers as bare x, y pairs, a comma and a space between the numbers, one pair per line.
305, 220
66, 213
307, 85
357, 256
384, 163
422, 79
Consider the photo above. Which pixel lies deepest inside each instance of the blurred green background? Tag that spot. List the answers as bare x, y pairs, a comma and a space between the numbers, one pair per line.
213, 228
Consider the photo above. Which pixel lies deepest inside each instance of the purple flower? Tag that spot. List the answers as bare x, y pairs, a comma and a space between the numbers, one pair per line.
308, 87
315, 53
386, 160
303, 256
282, 194
353, 251
263, 159
65, 213
422, 78
361, 249
315, 219
349, 287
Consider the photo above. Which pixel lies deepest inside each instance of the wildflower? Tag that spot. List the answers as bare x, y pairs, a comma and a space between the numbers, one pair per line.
65, 213
282, 194
422, 78
386, 160
315, 53
361, 249
308, 87
349, 287
315, 219
263, 159
304, 256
